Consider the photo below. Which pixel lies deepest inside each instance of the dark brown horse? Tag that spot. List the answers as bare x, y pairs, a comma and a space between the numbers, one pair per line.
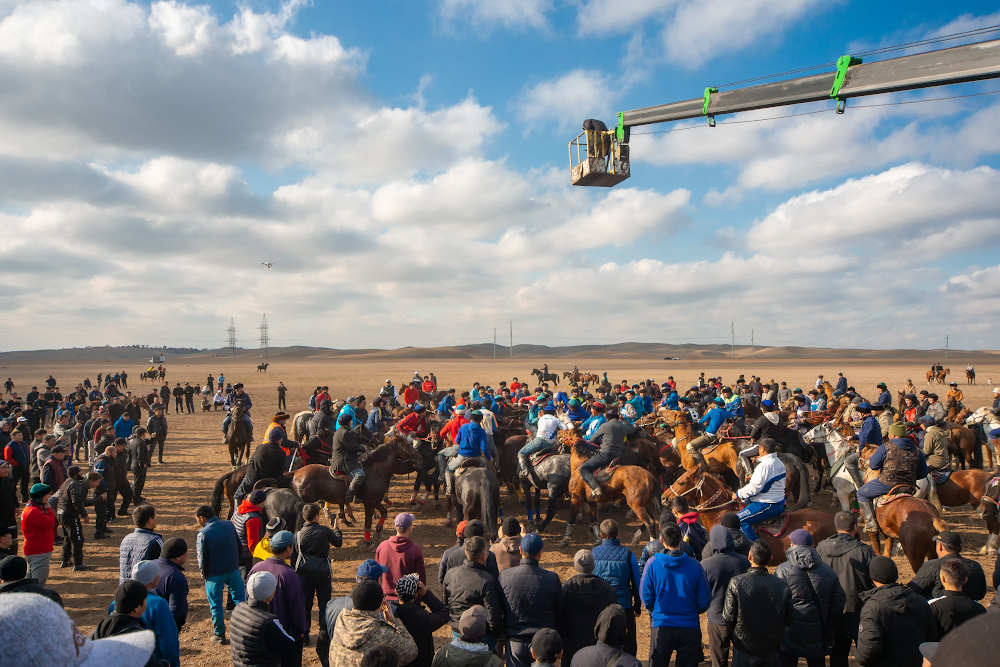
636, 485
238, 437
225, 487
708, 496
964, 444
989, 511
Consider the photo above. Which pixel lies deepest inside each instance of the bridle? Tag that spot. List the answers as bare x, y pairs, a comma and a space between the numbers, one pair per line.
706, 506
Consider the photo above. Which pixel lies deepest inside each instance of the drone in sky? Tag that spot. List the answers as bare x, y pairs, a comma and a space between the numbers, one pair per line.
267, 265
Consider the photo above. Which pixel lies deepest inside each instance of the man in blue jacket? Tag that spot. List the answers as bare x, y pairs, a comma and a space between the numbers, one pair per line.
471, 441
617, 565
157, 616
713, 420
675, 591
173, 585
532, 599
218, 549
124, 426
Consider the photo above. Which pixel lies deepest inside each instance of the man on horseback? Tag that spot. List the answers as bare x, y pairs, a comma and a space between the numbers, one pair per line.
899, 462
237, 395
545, 438
764, 494
266, 462
955, 395
346, 447
935, 446
714, 420
323, 418
470, 443
870, 434
609, 440
350, 410
414, 426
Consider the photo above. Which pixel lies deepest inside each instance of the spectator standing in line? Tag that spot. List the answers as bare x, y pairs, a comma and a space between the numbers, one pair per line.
39, 453
546, 647
141, 544
850, 558
533, 599
139, 460
954, 607
8, 504
249, 522
654, 547
456, 557
165, 397
105, 465
15, 456
369, 570
507, 550
288, 604
189, 397
218, 550
258, 638
817, 600
472, 585
895, 621
54, 469
178, 393
72, 515
173, 585
692, 530
617, 565
675, 591
611, 631
418, 621
585, 597
459, 546
38, 525
129, 606
14, 579
282, 389
156, 426
312, 564
468, 648
122, 487
157, 616
757, 608
400, 555
741, 543
927, 581
720, 568
370, 623
124, 426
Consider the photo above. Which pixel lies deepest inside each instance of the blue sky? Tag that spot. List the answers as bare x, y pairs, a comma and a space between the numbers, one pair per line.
404, 164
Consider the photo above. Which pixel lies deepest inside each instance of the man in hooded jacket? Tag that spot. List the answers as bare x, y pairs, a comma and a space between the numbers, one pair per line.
898, 461
895, 621
720, 568
585, 597
611, 632
323, 418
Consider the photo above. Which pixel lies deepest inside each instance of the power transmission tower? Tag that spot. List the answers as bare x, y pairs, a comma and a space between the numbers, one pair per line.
732, 338
264, 340
231, 341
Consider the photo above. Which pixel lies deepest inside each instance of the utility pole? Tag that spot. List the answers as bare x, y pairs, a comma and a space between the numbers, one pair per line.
494, 343
231, 340
264, 340
732, 337
946, 347
751, 343
512, 339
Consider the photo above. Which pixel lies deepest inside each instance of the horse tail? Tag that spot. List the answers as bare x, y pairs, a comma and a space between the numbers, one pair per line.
488, 504
804, 494
218, 492
940, 525
654, 503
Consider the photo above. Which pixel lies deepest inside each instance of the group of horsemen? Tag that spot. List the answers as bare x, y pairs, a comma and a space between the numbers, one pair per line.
914, 443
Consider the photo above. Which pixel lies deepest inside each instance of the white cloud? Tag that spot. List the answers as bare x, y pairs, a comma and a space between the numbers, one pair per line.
487, 14
187, 30
568, 99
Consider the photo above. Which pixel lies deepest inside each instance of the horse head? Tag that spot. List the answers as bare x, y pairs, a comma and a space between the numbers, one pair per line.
989, 506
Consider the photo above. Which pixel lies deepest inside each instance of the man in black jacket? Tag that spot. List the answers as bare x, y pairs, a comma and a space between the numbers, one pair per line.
257, 639
324, 417
927, 581
895, 621
532, 600
471, 584
178, 398
741, 543
455, 557
72, 514
139, 455
757, 608
720, 568
419, 622
611, 632
954, 607
157, 428
14, 575
585, 597
313, 541
347, 446
165, 397
849, 558
122, 487
266, 462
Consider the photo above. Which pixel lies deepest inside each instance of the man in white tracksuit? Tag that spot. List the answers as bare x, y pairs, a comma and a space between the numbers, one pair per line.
764, 494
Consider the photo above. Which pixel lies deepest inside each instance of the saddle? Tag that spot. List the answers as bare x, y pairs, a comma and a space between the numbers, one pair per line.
940, 476
895, 493
775, 527
341, 475
538, 457
469, 463
604, 474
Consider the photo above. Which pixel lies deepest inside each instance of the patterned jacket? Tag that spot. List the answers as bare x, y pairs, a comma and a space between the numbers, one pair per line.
358, 631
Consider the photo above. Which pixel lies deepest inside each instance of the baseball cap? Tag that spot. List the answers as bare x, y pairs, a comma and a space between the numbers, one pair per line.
472, 624
261, 585
281, 541
371, 569
403, 520
62, 643
949, 539
145, 572
532, 544
13, 568
546, 645
801, 537
460, 531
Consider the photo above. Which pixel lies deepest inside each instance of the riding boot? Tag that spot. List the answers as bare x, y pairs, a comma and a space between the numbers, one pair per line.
700, 460
529, 470
595, 489
449, 482
868, 511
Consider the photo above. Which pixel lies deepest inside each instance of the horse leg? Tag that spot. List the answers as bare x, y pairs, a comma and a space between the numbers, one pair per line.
447, 522
368, 526
550, 509
594, 528
876, 543
574, 510
643, 516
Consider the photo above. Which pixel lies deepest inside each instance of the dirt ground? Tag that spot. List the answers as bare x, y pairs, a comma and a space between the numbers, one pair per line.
195, 458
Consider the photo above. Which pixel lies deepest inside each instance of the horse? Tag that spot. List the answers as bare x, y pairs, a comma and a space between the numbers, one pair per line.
546, 377
989, 511
262, 368
964, 443
286, 504
970, 376
722, 457
554, 471
837, 446
477, 496
427, 470
981, 422
225, 487
300, 425
507, 474
707, 495
636, 485
314, 482
238, 437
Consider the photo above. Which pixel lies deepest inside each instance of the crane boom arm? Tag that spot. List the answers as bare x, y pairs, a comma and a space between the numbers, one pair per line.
960, 64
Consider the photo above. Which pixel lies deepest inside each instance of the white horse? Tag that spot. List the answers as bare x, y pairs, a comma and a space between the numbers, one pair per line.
989, 421
837, 446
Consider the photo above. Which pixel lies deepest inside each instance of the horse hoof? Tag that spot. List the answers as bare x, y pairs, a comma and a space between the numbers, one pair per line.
437, 505
368, 543
447, 524
564, 542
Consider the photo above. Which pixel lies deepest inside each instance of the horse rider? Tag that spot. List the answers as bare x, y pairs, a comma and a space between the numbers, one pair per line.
276, 433
764, 493
609, 440
899, 461
470, 443
376, 422
884, 397
934, 448
594, 422
713, 420
955, 394
344, 458
768, 426
238, 395
935, 408
912, 410
869, 434
268, 461
349, 409
883, 415
414, 426
318, 447
323, 418
545, 438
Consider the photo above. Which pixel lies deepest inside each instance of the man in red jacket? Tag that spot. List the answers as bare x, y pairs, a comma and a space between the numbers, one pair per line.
400, 555
38, 525
414, 425
450, 430
411, 394
249, 523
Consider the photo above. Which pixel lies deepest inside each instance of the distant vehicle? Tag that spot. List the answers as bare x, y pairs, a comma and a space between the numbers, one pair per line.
671, 358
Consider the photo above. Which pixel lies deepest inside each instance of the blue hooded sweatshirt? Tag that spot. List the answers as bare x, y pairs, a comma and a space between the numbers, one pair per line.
675, 590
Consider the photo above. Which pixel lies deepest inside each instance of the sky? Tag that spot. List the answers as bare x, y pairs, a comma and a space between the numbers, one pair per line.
403, 164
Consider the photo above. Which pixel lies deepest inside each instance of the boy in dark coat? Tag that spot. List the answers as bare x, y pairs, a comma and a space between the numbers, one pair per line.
895, 621
720, 568
585, 596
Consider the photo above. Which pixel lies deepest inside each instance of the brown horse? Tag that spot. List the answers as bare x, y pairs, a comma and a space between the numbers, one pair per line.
963, 443
989, 511
636, 485
914, 523
708, 496
238, 437
314, 482
722, 457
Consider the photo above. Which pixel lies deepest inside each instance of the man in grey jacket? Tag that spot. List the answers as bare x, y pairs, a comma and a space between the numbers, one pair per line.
609, 439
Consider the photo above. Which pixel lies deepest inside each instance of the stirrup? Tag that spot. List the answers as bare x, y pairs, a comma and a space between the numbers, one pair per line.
595, 494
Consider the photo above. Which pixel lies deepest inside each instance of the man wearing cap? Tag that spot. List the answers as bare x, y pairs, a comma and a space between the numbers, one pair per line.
16, 453
139, 459
173, 585
935, 446
418, 621
954, 607
370, 623
258, 637
54, 468
869, 434
323, 418
288, 603
471, 584
899, 461
895, 621
609, 440
817, 601
617, 565
266, 462
38, 525
400, 555
546, 648
935, 408
532, 599
72, 514
468, 648
218, 551
346, 447
157, 615
350, 410
368, 570
948, 546
469, 443
955, 395
15, 579
714, 419
455, 556
585, 597
507, 549
129, 605
545, 438
237, 395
